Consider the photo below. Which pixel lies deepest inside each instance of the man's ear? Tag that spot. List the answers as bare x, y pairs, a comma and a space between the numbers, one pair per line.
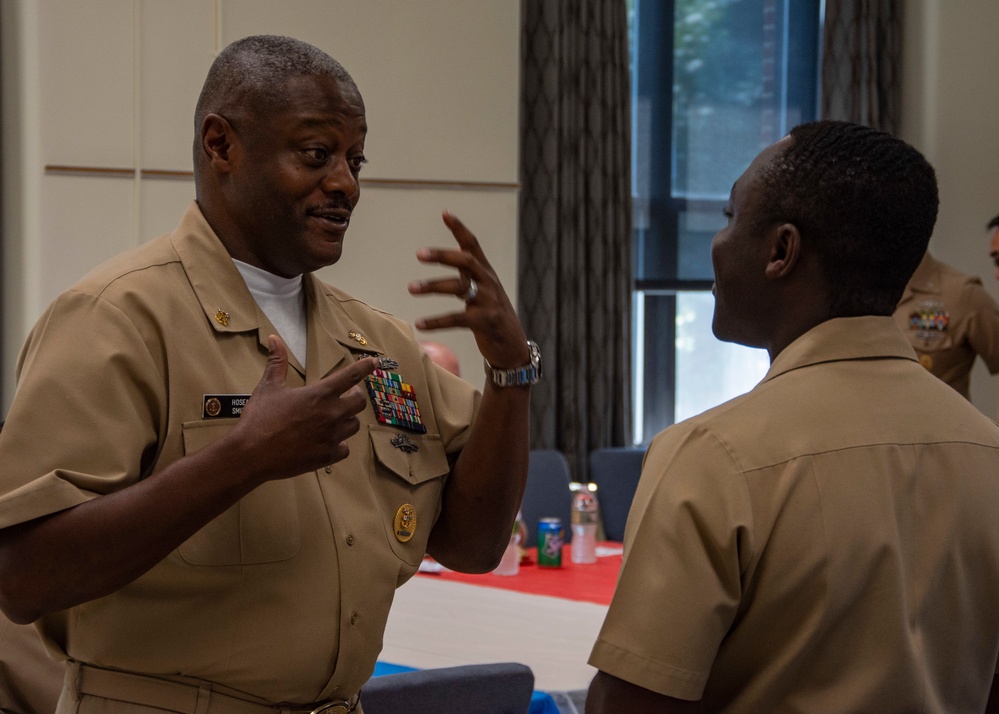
217, 141
785, 251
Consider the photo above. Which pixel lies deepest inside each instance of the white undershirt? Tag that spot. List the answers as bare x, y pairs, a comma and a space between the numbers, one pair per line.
283, 301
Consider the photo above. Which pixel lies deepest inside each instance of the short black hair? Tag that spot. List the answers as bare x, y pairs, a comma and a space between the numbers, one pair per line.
866, 200
994, 223
252, 74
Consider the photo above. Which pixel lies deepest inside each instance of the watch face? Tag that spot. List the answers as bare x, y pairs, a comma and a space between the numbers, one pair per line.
535, 357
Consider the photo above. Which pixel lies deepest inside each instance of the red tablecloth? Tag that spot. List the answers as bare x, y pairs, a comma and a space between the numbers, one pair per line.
586, 583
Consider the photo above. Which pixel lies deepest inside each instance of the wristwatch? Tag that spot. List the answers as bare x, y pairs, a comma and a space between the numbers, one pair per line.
528, 374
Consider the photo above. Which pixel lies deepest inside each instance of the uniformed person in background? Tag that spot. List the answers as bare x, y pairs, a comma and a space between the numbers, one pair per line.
30, 680
993, 228
950, 319
216, 468
827, 542
442, 355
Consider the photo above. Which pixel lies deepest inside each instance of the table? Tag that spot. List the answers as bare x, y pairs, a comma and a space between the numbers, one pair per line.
546, 618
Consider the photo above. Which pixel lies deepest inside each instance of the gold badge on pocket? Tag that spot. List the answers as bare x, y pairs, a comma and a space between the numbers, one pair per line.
404, 524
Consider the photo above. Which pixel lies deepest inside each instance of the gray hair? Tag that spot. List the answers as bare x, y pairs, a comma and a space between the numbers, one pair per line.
252, 73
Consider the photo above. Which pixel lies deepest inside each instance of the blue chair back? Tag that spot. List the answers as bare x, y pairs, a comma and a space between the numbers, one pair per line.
501, 688
547, 493
616, 472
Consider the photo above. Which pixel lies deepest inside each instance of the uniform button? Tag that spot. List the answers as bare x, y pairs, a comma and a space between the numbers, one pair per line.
329, 469
350, 540
353, 618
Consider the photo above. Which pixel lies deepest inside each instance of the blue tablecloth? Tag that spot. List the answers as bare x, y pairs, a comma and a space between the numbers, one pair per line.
541, 703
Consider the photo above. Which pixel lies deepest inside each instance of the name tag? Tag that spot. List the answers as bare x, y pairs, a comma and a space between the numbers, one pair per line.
223, 406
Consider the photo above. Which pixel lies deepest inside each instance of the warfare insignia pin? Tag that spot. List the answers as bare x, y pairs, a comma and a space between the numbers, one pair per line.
404, 524
403, 443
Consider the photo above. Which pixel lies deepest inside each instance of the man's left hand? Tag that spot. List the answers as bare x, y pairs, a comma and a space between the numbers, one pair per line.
488, 312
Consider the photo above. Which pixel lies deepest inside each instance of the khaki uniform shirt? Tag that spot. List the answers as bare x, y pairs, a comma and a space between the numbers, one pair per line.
285, 595
827, 542
30, 680
949, 318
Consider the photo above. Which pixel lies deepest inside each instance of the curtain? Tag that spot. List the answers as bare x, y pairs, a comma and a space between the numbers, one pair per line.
861, 60
575, 222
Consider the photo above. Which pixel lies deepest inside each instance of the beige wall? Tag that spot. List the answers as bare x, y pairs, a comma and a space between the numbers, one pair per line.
113, 84
951, 113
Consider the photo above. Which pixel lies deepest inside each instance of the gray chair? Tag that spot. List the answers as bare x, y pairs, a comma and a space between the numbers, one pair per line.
616, 472
547, 492
502, 688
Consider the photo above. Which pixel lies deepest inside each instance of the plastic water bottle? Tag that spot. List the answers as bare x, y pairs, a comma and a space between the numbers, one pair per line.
584, 516
510, 563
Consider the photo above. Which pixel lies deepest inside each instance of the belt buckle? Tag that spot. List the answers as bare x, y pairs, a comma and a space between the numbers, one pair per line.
332, 708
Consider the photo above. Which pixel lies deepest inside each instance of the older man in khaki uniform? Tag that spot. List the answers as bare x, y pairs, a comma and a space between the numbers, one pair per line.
217, 469
828, 541
949, 319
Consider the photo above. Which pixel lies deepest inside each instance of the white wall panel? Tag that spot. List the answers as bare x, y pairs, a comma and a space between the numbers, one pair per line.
86, 90
177, 46
89, 221
440, 78
161, 204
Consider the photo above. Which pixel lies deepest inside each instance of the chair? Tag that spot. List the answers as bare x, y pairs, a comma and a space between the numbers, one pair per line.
616, 472
547, 492
502, 688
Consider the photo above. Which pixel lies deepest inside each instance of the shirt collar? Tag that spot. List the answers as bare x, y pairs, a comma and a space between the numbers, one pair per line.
844, 338
229, 306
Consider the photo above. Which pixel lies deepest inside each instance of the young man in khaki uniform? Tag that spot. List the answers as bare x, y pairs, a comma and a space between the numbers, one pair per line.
949, 319
828, 541
217, 469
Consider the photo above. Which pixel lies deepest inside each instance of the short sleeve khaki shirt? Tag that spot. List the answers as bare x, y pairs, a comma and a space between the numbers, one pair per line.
285, 595
825, 543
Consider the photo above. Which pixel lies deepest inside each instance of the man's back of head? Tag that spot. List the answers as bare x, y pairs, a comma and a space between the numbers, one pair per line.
865, 200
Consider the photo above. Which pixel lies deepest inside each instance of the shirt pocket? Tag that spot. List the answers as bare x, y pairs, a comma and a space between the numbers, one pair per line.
408, 480
262, 527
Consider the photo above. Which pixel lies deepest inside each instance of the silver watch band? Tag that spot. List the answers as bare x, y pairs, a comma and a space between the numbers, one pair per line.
519, 376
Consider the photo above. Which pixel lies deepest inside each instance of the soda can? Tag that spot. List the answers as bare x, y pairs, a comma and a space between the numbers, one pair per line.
550, 543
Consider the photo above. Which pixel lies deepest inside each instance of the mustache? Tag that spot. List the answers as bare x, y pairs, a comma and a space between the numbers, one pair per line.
335, 204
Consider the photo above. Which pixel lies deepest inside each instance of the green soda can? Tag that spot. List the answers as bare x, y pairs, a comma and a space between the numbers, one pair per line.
550, 543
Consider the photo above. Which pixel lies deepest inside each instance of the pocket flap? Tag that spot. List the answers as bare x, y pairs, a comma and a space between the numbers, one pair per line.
414, 458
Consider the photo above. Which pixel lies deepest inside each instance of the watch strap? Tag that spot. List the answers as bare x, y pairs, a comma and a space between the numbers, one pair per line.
519, 376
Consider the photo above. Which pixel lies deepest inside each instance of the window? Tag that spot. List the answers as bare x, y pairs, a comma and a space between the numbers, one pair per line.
713, 83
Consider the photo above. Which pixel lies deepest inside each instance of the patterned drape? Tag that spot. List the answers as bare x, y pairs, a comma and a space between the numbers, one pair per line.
861, 59
575, 222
